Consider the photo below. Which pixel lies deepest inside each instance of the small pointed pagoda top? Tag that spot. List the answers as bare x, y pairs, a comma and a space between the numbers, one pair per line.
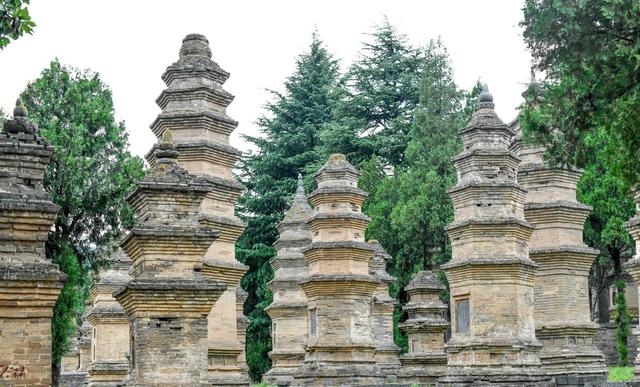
337, 161
486, 129
425, 279
337, 171
300, 209
485, 100
195, 45
378, 261
20, 123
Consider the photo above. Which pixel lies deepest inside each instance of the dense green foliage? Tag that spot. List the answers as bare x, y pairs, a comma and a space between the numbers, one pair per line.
410, 208
623, 324
601, 188
589, 51
290, 145
620, 374
585, 110
381, 90
89, 176
70, 303
14, 20
394, 114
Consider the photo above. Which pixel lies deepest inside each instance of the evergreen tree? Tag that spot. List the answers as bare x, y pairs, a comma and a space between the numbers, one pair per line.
410, 209
89, 176
623, 324
589, 51
420, 207
381, 90
290, 145
602, 188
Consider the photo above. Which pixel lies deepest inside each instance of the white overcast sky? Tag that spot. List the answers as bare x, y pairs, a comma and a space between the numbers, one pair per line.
130, 43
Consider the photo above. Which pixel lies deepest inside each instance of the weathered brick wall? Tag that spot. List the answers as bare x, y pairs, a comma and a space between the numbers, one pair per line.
112, 341
605, 340
169, 349
25, 352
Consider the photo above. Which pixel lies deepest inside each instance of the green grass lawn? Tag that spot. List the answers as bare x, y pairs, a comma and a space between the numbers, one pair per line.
620, 374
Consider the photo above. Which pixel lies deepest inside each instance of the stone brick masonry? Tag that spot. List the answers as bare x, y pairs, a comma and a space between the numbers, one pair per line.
491, 277
29, 283
288, 311
194, 109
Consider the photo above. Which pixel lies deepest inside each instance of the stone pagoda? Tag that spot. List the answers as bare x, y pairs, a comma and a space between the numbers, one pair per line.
382, 313
425, 327
339, 289
110, 326
288, 311
490, 275
29, 283
168, 299
194, 109
633, 267
562, 317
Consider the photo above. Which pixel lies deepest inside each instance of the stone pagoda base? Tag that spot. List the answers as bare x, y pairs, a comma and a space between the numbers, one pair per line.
27, 295
568, 353
499, 376
422, 368
73, 379
510, 363
334, 374
285, 365
108, 374
229, 381
388, 362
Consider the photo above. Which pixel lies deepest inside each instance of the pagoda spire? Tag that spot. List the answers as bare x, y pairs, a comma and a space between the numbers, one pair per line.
29, 282
490, 275
288, 311
561, 296
339, 289
194, 109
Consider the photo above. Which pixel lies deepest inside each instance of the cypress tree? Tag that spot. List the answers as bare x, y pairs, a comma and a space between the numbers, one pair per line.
289, 145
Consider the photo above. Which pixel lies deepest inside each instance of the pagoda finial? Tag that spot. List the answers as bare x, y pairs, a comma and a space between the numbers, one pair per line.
195, 45
165, 151
485, 100
532, 76
20, 110
300, 193
20, 123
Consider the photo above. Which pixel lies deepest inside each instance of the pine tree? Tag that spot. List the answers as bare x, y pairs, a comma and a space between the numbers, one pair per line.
411, 226
381, 92
410, 209
290, 145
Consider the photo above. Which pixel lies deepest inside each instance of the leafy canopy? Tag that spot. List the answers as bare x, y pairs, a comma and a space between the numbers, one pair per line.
589, 51
289, 145
15, 20
89, 176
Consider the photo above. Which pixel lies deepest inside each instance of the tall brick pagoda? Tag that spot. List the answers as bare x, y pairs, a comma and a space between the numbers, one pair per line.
382, 313
491, 277
340, 350
563, 321
29, 283
194, 109
169, 298
288, 311
110, 326
425, 327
